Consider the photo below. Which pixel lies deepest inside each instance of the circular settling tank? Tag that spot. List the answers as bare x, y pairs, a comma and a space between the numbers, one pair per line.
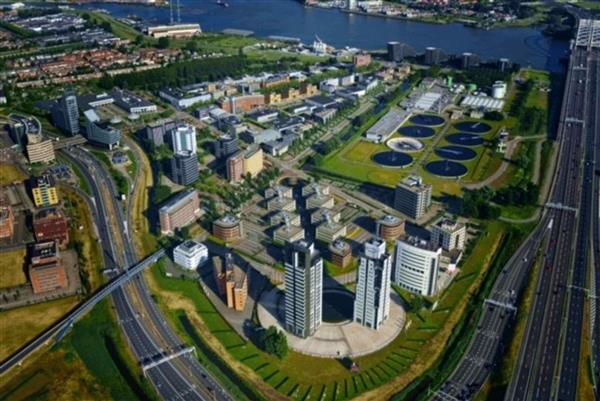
338, 306
429, 120
446, 168
473, 127
393, 159
405, 144
465, 139
455, 152
417, 131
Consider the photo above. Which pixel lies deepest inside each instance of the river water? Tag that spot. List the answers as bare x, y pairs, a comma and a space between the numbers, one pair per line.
526, 46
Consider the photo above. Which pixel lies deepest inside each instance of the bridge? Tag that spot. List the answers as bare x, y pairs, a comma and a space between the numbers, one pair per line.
61, 328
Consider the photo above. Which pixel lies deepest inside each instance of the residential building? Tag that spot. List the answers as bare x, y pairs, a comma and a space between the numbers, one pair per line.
232, 282
190, 254
51, 224
228, 228
183, 139
303, 288
179, 211
253, 161
44, 192
46, 270
412, 197
417, 265
7, 221
65, 113
341, 253
235, 167
372, 302
100, 131
448, 234
390, 227
185, 169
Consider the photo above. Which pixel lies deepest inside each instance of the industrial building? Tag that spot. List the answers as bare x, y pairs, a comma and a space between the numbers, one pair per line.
190, 254
412, 197
303, 289
372, 302
51, 224
387, 125
232, 282
179, 211
417, 265
449, 234
44, 192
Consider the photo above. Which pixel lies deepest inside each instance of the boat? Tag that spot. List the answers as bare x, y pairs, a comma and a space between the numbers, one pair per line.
222, 3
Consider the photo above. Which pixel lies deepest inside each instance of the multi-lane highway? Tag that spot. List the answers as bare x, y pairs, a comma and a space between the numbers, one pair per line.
549, 360
175, 372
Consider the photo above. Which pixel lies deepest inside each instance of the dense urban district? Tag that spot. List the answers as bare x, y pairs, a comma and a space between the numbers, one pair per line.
216, 216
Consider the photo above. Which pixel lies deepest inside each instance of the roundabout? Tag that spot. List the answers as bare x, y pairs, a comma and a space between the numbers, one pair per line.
473, 127
429, 120
417, 131
446, 169
392, 159
334, 339
405, 145
456, 153
465, 139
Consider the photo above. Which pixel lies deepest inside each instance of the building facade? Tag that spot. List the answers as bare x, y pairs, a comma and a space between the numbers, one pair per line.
417, 266
372, 302
303, 289
412, 197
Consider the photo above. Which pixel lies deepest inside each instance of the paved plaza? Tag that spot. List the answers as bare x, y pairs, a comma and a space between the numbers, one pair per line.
334, 340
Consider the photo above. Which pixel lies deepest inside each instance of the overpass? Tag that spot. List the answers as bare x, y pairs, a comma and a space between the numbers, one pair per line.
61, 328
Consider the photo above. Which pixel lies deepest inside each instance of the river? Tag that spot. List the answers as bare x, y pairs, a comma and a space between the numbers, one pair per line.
526, 46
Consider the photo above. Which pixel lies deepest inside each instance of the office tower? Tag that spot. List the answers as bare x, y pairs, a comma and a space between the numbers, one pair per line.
184, 168
469, 60
417, 265
397, 51
235, 167
183, 139
303, 288
372, 303
433, 56
504, 64
232, 282
65, 113
226, 145
412, 197
448, 234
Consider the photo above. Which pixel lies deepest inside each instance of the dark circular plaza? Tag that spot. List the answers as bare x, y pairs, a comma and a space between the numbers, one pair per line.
446, 168
417, 131
465, 139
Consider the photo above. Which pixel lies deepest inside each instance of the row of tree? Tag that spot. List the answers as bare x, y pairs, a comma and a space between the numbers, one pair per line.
482, 203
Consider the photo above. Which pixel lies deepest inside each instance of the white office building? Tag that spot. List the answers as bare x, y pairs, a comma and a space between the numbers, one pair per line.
448, 234
303, 288
190, 254
183, 139
372, 302
417, 265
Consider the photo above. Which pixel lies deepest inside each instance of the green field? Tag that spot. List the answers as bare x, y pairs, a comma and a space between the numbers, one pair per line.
412, 352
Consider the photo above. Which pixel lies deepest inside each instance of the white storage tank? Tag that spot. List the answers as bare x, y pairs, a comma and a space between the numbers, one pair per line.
499, 90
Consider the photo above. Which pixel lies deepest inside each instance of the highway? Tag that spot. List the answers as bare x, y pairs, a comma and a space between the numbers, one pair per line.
548, 365
164, 357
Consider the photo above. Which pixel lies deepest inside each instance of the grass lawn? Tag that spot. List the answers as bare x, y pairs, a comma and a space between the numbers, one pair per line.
12, 268
407, 357
9, 173
518, 212
21, 325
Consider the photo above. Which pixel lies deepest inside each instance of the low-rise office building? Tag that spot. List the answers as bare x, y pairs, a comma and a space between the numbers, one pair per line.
417, 265
46, 270
51, 224
39, 150
228, 228
7, 221
44, 191
190, 254
180, 211
156, 131
341, 253
132, 103
390, 227
449, 234
100, 131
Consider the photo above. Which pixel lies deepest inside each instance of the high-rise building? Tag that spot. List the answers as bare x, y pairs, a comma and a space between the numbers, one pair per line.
44, 191
352, 4
397, 51
183, 139
469, 60
155, 132
235, 167
232, 282
433, 56
190, 254
417, 265
372, 302
448, 234
412, 197
253, 161
179, 211
65, 113
303, 288
185, 169
226, 145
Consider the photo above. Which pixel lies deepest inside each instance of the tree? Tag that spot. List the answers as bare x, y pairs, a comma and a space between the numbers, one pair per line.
163, 42
139, 39
273, 342
107, 26
191, 46
106, 82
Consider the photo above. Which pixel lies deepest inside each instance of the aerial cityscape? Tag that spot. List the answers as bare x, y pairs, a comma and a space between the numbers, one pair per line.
303, 200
